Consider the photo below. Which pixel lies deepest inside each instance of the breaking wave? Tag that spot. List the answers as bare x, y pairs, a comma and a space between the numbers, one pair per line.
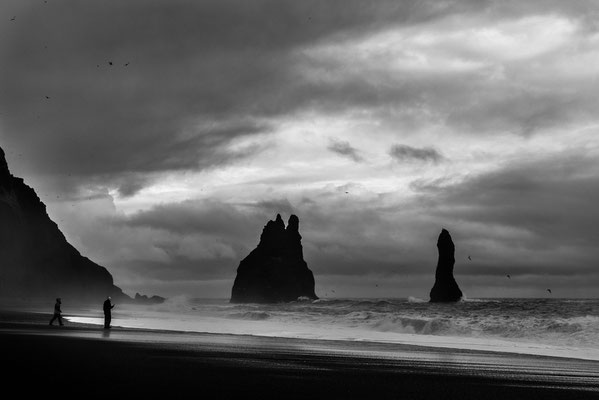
415, 300
250, 315
573, 323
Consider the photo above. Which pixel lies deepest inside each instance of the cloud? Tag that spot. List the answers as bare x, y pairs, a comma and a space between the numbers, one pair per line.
533, 215
275, 206
343, 148
239, 99
182, 87
510, 69
405, 153
192, 89
131, 185
191, 86
209, 217
533, 218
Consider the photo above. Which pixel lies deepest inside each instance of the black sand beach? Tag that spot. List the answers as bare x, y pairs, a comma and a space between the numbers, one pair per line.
77, 360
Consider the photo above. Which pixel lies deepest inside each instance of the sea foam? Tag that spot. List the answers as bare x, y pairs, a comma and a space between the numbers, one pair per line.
535, 326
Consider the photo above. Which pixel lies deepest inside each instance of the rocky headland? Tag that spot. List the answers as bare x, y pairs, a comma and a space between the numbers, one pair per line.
36, 260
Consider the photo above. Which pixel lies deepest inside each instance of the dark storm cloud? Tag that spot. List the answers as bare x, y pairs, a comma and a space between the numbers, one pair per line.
237, 224
535, 214
189, 78
191, 235
198, 85
550, 197
530, 219
181, 268
523, 111
198, 217
404, 153
275, 206
345, 149
199, 239
131, 185
105, 87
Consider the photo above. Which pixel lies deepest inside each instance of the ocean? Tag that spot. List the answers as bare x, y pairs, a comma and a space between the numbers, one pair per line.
554, 327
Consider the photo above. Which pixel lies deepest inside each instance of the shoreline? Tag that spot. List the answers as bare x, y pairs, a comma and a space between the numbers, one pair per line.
150, 362
432, 342
262, 329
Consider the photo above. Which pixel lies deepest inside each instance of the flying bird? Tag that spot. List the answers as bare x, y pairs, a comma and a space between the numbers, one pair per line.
126, 64
109, 62
549, 290
13, 18
508, 276
469, 258
47, 97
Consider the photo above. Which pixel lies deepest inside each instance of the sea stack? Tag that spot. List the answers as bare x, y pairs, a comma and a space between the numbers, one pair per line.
275, 271
445, 289
36, 261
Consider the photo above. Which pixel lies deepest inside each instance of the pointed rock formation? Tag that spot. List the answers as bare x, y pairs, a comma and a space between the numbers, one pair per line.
143, 299
445, 289
275, 271
36, 261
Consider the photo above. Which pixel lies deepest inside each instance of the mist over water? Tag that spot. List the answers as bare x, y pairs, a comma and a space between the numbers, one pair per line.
565, 327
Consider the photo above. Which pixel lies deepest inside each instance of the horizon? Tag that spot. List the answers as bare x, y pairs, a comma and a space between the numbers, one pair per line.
164, 141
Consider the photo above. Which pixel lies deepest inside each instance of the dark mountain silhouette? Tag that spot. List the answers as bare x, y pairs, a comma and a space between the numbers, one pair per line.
445, 289
142, 298
275, 271
36, 261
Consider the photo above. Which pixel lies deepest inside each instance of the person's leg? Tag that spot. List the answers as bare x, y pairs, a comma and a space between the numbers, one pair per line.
60, 320
52, 320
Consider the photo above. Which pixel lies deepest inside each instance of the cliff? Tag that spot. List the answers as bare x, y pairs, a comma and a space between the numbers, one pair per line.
275, 271
36, 261
446, 288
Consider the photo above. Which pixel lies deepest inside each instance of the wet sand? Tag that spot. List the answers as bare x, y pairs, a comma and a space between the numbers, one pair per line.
87, 361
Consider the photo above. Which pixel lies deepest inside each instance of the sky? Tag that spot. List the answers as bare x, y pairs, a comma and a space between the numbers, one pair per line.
163, 135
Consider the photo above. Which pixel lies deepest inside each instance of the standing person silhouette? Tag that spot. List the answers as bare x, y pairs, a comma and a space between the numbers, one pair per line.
57, 312
108, 306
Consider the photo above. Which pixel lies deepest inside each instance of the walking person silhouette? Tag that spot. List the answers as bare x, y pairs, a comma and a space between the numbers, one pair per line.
108, 306
57, 312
